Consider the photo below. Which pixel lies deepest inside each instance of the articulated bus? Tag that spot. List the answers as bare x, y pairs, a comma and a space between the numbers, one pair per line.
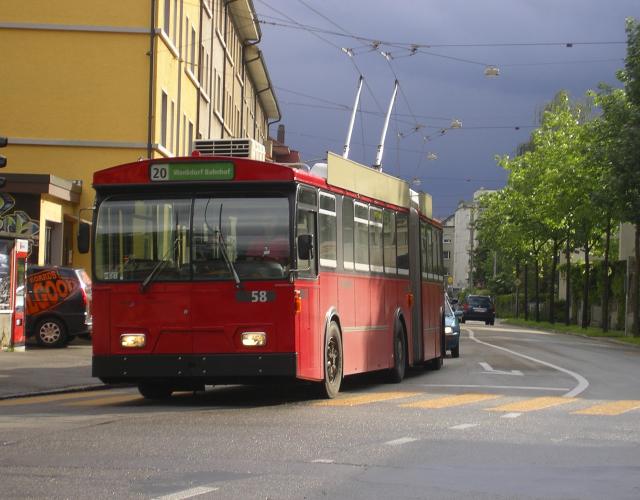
212, 270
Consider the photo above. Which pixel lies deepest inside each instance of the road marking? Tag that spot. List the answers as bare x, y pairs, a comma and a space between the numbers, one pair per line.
483, 386
48, 398
404, 440
462, 427
366, 398
610, 408
107, 400
488, 369
511, 415
323, 461
190, 493
449, 401
533, 404
583, 383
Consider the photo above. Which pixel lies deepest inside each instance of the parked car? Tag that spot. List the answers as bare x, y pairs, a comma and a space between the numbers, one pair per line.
58, 304
479, 308
451, 329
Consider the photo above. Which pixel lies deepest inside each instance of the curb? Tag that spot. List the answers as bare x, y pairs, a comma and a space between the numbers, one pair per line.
64, 390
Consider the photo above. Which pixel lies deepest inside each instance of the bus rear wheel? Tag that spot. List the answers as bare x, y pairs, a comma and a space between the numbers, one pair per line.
330, 386
155, 389
397, 373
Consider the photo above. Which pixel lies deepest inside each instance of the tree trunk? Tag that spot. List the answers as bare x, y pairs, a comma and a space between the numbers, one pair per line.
585, 294
517, 290
635, 304
537, 288
526, 291
567, 305
552, 284
605, 292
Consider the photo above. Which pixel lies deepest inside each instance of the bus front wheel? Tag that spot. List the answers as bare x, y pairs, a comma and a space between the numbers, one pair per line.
332, 362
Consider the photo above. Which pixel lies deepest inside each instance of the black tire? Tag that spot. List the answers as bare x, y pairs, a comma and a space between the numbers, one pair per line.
455, 352
492, 322
397, 373
330, 386
51, 332
155, 389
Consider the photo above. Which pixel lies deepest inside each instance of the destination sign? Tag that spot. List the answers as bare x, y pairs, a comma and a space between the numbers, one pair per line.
196, 171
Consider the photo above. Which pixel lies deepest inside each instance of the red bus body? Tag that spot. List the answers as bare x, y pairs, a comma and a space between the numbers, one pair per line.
193, 330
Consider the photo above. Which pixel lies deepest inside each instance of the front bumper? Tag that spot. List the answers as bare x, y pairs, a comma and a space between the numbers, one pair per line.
133, 367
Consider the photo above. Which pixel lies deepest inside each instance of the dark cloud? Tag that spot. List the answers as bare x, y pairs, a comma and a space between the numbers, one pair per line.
436, 87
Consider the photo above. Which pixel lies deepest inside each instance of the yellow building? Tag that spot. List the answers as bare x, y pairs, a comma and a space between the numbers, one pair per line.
86, 86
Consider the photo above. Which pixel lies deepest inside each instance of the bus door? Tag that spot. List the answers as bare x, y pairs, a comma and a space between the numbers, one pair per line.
309, 325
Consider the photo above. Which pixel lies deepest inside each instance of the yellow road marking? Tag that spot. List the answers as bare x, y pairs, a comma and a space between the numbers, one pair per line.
48, 398
611, 408
533, 404
366, 398
107, 400
448, 401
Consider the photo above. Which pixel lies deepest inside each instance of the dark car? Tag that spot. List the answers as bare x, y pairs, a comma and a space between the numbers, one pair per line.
479, 308
58, 304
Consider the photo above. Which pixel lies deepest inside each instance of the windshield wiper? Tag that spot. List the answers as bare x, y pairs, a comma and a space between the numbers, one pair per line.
156, 269
223, 249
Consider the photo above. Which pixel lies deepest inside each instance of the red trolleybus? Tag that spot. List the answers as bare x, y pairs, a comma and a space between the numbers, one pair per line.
211, 270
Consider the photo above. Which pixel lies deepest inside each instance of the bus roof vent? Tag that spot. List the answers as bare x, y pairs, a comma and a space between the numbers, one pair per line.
237, 148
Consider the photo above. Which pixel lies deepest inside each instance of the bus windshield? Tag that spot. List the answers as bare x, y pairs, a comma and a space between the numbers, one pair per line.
181, 239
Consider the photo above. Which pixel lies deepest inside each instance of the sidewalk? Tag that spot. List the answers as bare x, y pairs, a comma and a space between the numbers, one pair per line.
41, 370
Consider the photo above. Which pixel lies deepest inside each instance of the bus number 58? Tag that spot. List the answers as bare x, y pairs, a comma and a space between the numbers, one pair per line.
259, 296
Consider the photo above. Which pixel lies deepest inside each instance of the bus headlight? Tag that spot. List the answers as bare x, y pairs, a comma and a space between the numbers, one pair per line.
254, 339
448, 330
133, 340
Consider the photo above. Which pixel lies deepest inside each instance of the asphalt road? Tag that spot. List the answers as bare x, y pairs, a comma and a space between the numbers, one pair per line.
518, 415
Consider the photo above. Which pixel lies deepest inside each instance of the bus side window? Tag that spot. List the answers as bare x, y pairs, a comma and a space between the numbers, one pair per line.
306, 224
347, 233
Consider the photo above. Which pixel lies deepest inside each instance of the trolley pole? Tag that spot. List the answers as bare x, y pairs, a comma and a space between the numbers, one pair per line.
347, 143
378, 163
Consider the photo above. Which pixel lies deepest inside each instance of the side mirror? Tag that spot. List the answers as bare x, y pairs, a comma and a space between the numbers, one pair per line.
305, 246
84, 237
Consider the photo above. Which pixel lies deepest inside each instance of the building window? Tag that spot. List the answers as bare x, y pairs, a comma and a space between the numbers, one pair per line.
193, 51
447, 241
163, 119
167, 17
190, 139
446, 254
173, 119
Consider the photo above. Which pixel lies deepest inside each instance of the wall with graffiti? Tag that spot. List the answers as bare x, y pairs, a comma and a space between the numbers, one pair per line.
16, 221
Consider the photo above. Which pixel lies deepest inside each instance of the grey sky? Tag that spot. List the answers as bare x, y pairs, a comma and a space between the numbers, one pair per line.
435, 89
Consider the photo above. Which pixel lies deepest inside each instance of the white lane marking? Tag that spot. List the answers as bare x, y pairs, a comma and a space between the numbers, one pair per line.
190, 493
514, 330
404, 440
583, 383
462, 427
511, 415
526, 388
323, 461
489, 369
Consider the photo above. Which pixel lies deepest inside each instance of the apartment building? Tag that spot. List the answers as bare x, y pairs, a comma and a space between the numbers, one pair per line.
89, 85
